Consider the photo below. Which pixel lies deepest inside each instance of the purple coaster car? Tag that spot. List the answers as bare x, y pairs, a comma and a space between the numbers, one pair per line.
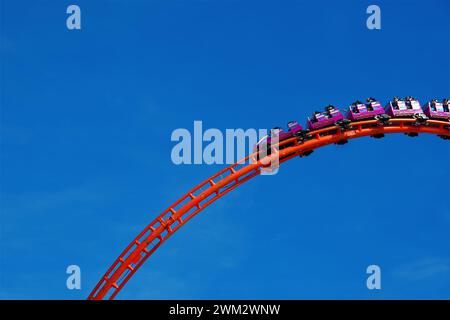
293, 128
359, 110
323, 119
437, 110
404, 108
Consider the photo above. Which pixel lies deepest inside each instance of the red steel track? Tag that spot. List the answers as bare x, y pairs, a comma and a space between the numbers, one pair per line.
213, 188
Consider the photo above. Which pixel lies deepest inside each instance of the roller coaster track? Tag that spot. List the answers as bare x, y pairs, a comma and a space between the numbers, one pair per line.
213, 188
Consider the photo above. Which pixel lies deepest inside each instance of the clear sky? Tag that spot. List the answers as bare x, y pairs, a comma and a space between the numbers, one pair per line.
86, 119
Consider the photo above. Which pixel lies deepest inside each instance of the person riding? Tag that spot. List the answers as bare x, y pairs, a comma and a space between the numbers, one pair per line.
355, 106
395, 102
433, 103
445, 104
408, 101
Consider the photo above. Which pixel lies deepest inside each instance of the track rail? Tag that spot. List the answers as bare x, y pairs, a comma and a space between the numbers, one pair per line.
213, 188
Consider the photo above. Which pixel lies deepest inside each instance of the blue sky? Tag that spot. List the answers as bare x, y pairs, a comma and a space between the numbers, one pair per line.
86, 119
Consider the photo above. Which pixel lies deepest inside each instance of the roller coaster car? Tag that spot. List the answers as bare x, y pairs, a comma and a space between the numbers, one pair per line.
404, 108
265, 142
359, 110
437, 110
293, 129
323, 119
275, 132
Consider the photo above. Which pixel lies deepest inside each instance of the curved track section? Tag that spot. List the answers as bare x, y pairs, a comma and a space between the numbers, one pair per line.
213, 188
